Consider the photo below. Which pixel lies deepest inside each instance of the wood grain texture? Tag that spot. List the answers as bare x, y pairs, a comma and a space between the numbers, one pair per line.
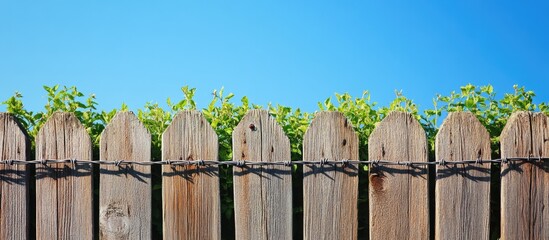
191, 202
330, 192
14, 180
525, 186
262, 194
399, 207
125, 191
462, 194
63, 191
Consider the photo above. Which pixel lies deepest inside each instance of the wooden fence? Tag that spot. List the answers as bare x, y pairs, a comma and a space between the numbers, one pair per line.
399, 195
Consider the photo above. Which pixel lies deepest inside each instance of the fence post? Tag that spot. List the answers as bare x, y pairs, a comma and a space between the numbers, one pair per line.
262, 194
14, 180
330, 192
525, 185
399, 207
124, 190
462, 194
63, 190
190, 194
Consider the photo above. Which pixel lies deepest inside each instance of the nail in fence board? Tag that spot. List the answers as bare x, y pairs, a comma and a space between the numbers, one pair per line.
262, 194
63, 190
330, 192
462, 194
125, 191
398, 194
191, 204
525, 186
14, 180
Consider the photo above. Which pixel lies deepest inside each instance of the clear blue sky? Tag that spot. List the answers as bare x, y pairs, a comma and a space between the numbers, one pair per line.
290, 53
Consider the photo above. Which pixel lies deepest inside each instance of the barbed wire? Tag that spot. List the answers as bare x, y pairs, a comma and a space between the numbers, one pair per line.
321, 162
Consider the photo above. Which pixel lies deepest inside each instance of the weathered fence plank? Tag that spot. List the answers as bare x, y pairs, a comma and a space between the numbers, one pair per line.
191, 198
63, 190
14, 180
330, 191
262, 194
525, 186
462, 195
125, 191
398, 194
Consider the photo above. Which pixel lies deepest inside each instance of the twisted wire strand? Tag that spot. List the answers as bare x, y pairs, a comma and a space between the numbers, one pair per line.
241, 163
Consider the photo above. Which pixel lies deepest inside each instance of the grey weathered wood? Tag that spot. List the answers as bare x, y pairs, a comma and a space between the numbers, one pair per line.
125, 191
462, 194
63, 191
398, 194
191, 201
14, 180
525, 186
330, 192
262, 194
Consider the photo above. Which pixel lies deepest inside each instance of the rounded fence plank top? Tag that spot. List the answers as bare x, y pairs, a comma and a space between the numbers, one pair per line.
525, 185
190, 194
63, 190
125, 190
262, 194
462, 194
14, 180
330, 192
399, 203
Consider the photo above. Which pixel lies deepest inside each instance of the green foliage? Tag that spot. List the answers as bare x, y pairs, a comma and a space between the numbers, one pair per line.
491, 111
224, 115
66, 99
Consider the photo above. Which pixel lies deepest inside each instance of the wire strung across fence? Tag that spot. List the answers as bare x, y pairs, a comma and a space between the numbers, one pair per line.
284, 163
